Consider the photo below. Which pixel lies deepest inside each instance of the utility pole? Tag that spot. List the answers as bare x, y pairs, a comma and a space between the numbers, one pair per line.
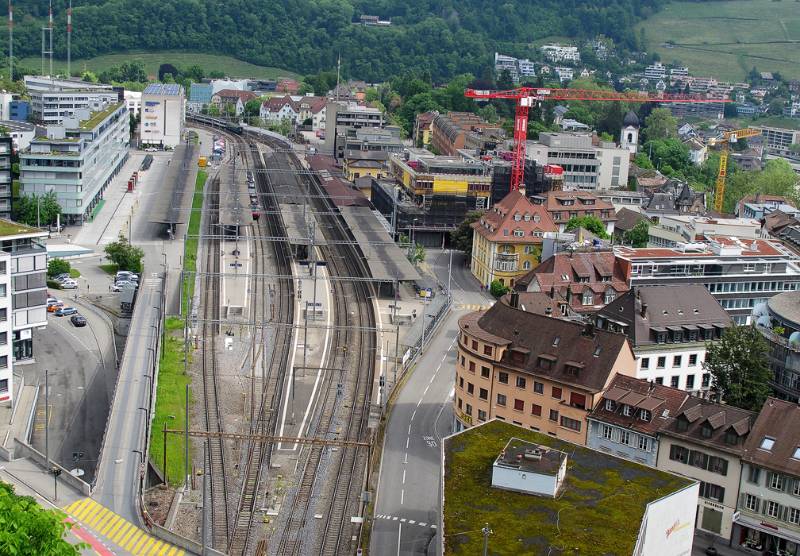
186, 440
206, 470
10, 42
47, 417
486, 532
449, 274
69, 40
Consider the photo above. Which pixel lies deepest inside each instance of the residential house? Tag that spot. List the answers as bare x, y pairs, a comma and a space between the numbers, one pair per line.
698, 151
627, 219
537, 371
767, 517
674, 197
584, 280
565, 205
232, 98
507, 239
314, 109
275, 109
626, 421
706, 441
669, 328
760, 204
422, 129
360, 164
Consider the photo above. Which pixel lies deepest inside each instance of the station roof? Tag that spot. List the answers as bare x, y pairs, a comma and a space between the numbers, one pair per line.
234, 198
387, 262
178, 187
296, 224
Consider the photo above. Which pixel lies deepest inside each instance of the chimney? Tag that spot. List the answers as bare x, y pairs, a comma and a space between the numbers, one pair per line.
514, 300
644, 310
548, 311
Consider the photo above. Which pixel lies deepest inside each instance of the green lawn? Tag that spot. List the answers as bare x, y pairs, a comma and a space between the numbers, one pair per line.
151, 60
711, 37
190, 264
109, 268
74, 273
170, 405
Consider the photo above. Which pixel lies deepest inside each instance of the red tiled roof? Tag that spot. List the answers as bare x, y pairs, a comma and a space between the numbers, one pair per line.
275, 104
515, 213
235, 93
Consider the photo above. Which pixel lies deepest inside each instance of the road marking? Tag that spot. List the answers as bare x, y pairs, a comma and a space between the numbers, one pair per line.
404, 476
402, 496
399, 535
405, 458
402, 520
408, 438
411, 522
405, 520
414, 414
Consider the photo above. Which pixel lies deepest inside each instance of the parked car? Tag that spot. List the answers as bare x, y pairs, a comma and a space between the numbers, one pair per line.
53, 307
122, 284
52, 301
78, 320
66, 311
61, 277
126, 275
69, 284
151, 150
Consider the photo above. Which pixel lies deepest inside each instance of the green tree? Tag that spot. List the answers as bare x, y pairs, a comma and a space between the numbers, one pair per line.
461, 237
669, 153
27, 529
638, 235
24, 209
125, 255
739, 367
252, 108
660, 124
57, 266
497, 289
643, 162
591, 223
777, 178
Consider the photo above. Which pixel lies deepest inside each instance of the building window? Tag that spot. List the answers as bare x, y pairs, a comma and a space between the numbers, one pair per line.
472, 366
502, 377
519, 405
775, 481
463, 361
460, 402
689, 382
607, 432
470, 388
3, 385
627, 410
644, 443
624, 437
577, 400
644, 415
767, 443
610, 295
794, 515
751, 502
731, 437
536, 410
679, 453
698, 459
553, 415
461, 382
718, 465
588, 297
468, 410
485, 372
754, 475
693, 360
557, 392
712, 491
487, 350
796, 487
538, 387
706, 431
773, 509
521, 383
572, 424
676, 361
501, 399
544, 363
474, 345
645, 363
611, 405
706, 380
483, 394
662, 362
659, 380
674, 381
481, 415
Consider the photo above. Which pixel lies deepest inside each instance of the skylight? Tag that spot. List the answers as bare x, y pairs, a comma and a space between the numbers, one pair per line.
556, 340
767, 443
796, 454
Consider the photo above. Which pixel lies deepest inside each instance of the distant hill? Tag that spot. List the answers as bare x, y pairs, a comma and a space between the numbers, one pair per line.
445, 37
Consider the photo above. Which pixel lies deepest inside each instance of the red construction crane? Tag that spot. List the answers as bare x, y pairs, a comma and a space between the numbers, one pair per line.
528, 96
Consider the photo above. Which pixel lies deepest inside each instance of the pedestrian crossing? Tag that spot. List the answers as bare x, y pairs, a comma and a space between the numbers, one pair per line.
130, 538
473, 306
405, 520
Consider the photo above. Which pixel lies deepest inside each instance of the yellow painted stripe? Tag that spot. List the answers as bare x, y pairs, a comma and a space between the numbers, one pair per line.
113, 523
133, 540
164, 549
75, 507
173, 551
108, 518
97, 516
121, 533
157, 547
86, 509
145, 546
128, 536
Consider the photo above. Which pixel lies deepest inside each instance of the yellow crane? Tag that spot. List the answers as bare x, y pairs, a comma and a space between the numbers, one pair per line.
727, 138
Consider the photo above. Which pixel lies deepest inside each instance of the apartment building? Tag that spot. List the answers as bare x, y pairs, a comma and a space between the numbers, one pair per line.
565, 205
77, 160
739, 273
585, 280
706, 441
631, 412
759, 205
778, 140
586, 165
675, 229
534, 370
163, 114
767, 518
6, 151
669, 328
54, 99
463, 130
344, 117
557, 53
655, 71
507, 239
778, 320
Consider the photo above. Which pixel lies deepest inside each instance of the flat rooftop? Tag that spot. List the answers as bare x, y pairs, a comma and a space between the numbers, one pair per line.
9, 229
598, 511
514, 455
163, 89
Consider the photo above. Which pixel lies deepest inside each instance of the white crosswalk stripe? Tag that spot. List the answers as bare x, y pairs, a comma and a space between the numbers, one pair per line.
405, 520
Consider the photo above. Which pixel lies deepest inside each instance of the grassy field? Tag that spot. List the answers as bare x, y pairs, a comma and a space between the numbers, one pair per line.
726, 39
151, 60
193, 229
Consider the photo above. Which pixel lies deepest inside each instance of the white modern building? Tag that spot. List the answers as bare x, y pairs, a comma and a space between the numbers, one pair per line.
77, 159
557, 53
673, 230
564, 74
134, 101
655, 71
54, 99
21, 133
586, 166
163, 115
343, 118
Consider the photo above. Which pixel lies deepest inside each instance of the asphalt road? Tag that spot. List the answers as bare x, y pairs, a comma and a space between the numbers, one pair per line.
408, 496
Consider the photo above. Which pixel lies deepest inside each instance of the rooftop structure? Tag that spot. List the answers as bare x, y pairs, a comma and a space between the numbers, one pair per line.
54, 99
675, 229
606, 505
565, 205
530, 468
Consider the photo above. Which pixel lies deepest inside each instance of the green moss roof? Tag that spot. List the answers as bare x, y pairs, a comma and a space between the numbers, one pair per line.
9, 228
598, 510
98, 117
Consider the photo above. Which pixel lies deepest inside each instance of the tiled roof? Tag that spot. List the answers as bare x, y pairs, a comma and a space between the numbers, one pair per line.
515, 213
275, 104
581, 356
777, 420
699, 412
244, 96
553, 202
627, 219
662, 402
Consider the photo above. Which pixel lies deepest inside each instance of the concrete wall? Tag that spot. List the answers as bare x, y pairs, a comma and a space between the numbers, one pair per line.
668, 525
515, 479
25, 450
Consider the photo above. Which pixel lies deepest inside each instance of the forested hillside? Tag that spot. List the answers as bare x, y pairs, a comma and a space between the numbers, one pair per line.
445, 37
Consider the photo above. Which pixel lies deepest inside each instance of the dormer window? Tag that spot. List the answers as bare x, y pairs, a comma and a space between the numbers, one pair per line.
644, 415
537, 218
519, 233
527, 218
516, 217
682, 423
731, 437
706, 431
627, 410
611, 405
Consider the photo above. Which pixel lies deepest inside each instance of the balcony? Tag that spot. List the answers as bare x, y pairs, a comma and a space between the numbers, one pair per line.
506, 262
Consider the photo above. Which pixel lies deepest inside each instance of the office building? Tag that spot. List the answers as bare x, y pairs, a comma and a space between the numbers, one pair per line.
534, 370
21, 133
163, 115
54, 99
199, 96
343, 118
507, 240
77, 160
778, 320
706, 441
673, 230
626, 421
19, 110
669, 328
586, 165
134, 101
767, 518
739, 273
779, 140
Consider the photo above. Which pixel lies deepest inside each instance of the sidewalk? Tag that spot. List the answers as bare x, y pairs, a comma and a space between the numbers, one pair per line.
703, 540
